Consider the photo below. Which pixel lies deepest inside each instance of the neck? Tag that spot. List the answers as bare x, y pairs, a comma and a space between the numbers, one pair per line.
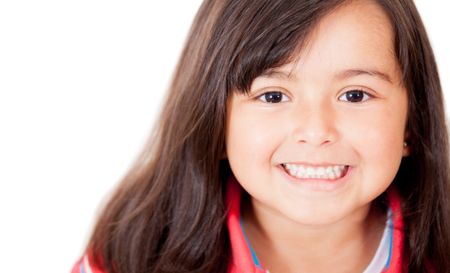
287, 246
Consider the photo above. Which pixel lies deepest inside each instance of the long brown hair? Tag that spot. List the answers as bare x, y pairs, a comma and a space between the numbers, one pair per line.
168, 214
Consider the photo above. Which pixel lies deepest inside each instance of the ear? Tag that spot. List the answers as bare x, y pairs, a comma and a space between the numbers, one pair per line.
406, 145
406, 149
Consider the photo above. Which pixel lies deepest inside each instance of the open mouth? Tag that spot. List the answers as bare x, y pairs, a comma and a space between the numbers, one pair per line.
330, 172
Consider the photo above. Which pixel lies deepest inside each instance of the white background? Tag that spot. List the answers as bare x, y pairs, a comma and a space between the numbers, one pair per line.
80, 85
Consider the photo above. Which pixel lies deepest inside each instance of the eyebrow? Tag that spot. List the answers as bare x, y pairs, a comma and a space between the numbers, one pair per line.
273, 73
345, 74
349, 73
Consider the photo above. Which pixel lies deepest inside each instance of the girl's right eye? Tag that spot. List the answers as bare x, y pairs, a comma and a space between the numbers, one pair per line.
273, 97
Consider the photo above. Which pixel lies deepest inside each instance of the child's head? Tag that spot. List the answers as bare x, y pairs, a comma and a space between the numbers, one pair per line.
337, 112
270, 85
376, 51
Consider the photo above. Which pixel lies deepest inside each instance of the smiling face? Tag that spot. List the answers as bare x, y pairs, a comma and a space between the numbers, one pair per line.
316, 140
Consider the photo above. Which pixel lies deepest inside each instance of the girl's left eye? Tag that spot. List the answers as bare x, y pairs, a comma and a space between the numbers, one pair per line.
273, 97
355, 96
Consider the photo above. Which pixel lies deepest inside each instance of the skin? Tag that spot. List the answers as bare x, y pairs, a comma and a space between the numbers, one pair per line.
295, 226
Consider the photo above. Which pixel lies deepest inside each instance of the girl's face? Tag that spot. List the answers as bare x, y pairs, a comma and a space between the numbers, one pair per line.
318, 139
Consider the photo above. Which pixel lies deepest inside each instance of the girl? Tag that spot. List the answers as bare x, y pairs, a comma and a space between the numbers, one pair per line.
298, 136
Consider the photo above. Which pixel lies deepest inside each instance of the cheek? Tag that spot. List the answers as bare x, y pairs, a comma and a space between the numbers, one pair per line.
377, 137
251, 141
378, 129
249, 137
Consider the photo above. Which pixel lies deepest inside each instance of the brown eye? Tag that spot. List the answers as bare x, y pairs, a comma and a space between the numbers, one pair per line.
355, 96
273, 97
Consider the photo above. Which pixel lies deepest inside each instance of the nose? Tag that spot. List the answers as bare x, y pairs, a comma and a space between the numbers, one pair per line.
315, 124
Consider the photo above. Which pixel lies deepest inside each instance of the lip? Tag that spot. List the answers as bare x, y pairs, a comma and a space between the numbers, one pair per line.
317, 184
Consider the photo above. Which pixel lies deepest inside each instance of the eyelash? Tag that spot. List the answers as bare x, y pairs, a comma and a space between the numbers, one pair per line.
273, 93
365, 95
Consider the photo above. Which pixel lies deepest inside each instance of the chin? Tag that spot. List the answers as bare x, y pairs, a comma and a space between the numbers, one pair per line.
315, 218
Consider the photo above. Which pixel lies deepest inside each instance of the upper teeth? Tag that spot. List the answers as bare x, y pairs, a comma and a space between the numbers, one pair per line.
323, 172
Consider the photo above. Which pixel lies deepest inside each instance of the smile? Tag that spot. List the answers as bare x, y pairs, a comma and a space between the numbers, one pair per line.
330, 172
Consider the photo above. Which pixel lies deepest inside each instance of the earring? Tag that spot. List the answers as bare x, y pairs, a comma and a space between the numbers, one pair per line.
405, 144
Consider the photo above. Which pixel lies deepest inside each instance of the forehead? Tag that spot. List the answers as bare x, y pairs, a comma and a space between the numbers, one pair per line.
357, 36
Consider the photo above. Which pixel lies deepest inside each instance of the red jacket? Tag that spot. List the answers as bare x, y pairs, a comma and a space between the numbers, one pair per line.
242, 260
